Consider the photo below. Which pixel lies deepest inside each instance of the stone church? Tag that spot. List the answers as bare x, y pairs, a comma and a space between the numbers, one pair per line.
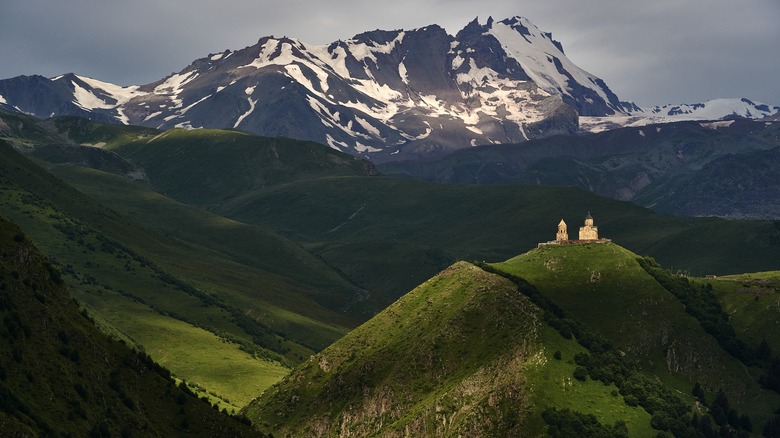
589, 233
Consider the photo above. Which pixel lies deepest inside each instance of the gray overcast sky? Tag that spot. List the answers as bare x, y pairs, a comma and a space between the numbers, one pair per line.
649, 51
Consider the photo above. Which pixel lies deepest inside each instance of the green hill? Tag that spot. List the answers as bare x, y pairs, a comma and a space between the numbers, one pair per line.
605, 288
25, 131
426, 366
388, 234
560, 340
59, 376
196, 291
206, 167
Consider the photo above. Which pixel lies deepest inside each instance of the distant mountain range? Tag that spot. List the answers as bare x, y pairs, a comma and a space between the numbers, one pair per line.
722, 110
725, 168
385, 95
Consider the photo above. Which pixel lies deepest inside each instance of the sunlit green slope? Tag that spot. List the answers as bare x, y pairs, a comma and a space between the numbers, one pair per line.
557, 337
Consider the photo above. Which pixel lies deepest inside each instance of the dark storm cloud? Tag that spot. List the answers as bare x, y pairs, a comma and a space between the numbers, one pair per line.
652, 52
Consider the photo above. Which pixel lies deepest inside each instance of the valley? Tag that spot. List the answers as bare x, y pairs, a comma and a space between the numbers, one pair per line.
356, 239
241, 275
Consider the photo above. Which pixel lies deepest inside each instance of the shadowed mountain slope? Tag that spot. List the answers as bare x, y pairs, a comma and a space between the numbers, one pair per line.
726, 168
148, 279
59, 376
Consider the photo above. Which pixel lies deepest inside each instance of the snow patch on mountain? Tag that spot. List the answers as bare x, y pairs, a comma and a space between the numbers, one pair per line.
86, 100
536, 58
152, 115
120, 94
536, 53
366, 125
362, 51
189, 107
335, 144
716, 125
403, 73
252, 103
99, 95
174, 85
218, 56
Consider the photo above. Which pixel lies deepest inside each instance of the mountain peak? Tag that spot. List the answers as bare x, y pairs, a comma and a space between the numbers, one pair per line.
376, 36
388, 94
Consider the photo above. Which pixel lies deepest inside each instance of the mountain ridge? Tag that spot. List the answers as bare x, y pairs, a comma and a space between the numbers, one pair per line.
691, 168
378, 94
722, 112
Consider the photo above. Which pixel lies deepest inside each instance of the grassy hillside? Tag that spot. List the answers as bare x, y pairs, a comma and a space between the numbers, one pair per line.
140, 279
205, 167
605, 288
582, 341
463, 354
23, 130
390, 234
87, 132
752, 302
59, 376
282, 261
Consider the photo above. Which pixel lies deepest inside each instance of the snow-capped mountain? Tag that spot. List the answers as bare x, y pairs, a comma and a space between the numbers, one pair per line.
380, 93
711, 110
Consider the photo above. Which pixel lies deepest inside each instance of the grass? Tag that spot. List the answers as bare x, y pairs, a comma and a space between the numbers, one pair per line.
554, 386
753, 305
61, 376
191, 353
132, 317
439, 352
389, 235
284, 265
111, 259
602, 286
433, 359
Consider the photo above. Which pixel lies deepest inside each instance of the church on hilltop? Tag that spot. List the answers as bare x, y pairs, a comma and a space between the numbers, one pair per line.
589, 233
